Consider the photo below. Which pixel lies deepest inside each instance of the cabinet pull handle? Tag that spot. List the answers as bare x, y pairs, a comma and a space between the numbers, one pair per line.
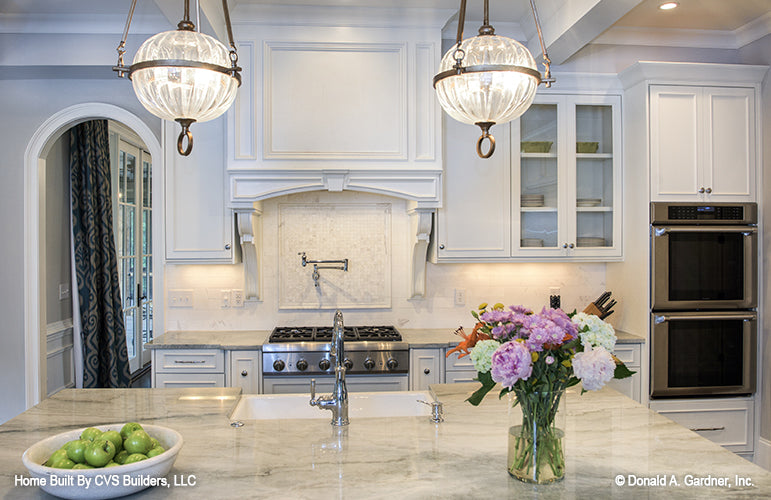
244, 373
441, 247
701, 429
701, 190
189, 362
564, 245
227, 246
571, 245
709, 190
426, 371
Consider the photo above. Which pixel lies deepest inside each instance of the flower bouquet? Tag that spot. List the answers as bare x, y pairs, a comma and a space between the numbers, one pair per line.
536, 357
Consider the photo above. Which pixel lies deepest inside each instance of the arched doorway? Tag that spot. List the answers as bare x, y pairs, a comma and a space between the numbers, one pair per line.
34, 167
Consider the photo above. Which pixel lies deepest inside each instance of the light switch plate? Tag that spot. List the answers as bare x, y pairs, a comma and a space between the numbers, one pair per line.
180, 298
460, 297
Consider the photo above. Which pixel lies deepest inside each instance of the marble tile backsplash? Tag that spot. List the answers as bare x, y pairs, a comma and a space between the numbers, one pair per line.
509, 283
358, 232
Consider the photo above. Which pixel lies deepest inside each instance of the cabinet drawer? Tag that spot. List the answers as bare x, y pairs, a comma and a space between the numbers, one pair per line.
629, 354
190, 361
461, 376
180, 380
729, 425
464, 363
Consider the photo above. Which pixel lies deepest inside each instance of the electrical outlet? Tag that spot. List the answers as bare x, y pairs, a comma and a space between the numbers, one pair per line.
460, 297
64, 291
225, 299
237, 298
180, 298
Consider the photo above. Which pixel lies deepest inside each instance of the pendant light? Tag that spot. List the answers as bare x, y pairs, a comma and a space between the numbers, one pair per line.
489, 79
183, 75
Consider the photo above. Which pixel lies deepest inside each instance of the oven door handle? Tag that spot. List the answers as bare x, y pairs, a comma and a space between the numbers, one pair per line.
661, 318
746, 230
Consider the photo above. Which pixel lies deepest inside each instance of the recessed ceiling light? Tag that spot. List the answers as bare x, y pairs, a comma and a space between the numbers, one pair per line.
668, 5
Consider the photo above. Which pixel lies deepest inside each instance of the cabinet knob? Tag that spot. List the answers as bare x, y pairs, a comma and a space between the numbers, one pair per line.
427, 371
709, 190
441, 247
244, 373
227, 246
701, 190
571, 245
565, 245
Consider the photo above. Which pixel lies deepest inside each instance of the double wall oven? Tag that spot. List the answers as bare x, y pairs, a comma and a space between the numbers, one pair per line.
704, 264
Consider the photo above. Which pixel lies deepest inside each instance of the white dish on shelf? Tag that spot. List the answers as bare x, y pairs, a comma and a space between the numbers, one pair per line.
129, 478
588, 202
591, 242
531, 242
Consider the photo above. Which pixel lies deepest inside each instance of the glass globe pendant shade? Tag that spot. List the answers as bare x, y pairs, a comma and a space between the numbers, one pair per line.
184, 75
488, 79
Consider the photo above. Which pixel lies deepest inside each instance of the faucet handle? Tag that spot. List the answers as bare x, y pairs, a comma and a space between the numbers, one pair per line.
313, 389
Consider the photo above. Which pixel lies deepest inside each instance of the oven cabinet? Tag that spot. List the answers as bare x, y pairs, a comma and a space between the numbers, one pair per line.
703, 143
177, 368
199, 228
729, 422
325, 384
426, 368
631, 355
458, 370
244, 370
552, 190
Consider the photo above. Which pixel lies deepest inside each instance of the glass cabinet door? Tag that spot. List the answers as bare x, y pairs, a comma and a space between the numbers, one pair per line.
594, 171
538, 176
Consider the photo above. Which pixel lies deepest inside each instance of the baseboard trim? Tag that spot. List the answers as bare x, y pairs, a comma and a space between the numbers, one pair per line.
763, 454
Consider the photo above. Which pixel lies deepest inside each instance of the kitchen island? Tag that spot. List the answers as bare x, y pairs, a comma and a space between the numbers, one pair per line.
608, 437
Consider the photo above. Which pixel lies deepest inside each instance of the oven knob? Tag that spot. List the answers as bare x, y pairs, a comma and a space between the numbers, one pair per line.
369, 364
324, 364
347, 363
392, 364
278, 365
302, 365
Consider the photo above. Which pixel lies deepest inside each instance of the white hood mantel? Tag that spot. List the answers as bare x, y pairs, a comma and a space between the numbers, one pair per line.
336, 108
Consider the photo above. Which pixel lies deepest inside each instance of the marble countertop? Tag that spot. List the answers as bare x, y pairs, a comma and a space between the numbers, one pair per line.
416, 337
608, 436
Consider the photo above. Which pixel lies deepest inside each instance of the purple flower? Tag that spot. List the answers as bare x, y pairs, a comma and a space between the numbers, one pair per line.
539, 330
496, 316
511, 362
549, 360
559, 318
520, 310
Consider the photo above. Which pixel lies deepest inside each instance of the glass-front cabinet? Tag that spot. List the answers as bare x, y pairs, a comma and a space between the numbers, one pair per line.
566, 177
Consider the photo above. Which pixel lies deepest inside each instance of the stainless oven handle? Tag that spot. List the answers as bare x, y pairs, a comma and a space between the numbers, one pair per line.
746, 230
660, 318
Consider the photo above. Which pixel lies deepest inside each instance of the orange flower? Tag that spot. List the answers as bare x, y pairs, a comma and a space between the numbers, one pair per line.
468, 341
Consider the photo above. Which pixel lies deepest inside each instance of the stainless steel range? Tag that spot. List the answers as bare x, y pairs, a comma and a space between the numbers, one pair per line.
376, 358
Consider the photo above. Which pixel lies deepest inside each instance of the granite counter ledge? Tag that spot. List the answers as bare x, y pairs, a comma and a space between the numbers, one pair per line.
231, 340
464, 457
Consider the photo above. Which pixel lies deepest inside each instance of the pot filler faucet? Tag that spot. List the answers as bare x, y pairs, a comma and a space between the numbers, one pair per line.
337, 402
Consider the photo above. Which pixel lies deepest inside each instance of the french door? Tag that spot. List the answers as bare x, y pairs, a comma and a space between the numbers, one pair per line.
133, 238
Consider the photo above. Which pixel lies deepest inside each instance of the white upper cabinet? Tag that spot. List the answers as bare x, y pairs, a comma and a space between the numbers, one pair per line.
552, 190
702, 143
199, 228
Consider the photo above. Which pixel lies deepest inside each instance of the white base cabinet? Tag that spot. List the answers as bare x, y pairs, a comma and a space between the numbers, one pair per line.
426, 368
244, 370
458, 370
631, 387
325, 384
727, 422
188, 368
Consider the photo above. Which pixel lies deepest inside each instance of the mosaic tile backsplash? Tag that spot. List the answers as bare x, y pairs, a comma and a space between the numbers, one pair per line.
359, 232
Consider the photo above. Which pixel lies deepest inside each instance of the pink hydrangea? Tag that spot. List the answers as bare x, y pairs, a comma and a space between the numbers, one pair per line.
594, 366
511, 362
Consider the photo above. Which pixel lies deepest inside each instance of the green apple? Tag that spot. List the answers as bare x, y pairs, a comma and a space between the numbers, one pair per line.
100, 452
90, 434
76, 450
115, 437
120, 457
130, 427
64, 464
82, 466
60, 454
112, 464
135, 457
155, 442
138, 442
155, 451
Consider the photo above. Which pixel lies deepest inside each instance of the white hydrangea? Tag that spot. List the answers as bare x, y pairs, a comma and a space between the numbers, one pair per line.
595, 367
598, 334
482, 355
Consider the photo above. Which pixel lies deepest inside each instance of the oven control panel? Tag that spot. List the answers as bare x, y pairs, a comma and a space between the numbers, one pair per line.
320, 362
704, 213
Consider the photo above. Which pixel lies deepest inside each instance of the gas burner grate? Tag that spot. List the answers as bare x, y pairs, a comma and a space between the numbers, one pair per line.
324, 334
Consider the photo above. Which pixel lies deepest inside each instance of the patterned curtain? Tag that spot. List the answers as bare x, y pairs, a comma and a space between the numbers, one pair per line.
105, 356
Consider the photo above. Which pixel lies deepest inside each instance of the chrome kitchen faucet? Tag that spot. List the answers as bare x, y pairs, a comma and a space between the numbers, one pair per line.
337, 402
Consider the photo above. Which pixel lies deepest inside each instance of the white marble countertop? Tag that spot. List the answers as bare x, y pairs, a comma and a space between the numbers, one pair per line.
608, 435
415, 337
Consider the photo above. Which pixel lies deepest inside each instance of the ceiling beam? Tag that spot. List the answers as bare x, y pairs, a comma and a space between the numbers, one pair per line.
572, 24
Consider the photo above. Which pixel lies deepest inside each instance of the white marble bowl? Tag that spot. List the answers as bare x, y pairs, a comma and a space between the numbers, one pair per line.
111, 482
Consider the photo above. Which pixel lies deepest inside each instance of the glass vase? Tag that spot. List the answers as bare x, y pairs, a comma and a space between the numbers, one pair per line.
536, 432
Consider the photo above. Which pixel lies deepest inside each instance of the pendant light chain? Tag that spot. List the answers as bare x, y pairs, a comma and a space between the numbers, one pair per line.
121, 68
547, 78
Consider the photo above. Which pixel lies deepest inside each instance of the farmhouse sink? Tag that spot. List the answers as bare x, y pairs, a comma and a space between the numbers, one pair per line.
360, 405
